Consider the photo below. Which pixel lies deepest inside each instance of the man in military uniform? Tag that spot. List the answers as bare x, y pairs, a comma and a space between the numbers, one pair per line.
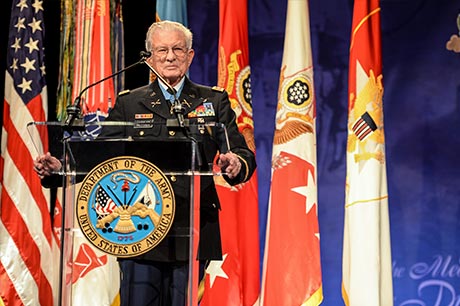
159, 277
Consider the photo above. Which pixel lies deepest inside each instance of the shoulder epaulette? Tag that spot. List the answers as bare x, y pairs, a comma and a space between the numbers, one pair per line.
124, 92
217, 88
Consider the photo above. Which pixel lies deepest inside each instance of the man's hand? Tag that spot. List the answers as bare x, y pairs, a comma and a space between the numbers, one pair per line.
46, 164
230, 164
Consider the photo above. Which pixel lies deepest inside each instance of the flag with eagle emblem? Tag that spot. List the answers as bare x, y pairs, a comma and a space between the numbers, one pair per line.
367, 268
235, 280
292, 267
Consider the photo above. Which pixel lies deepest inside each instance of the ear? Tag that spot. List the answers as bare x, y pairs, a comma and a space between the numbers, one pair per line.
150, 60
190, 55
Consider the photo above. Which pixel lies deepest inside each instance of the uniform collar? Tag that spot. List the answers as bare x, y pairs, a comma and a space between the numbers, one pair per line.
189, 97
177, 88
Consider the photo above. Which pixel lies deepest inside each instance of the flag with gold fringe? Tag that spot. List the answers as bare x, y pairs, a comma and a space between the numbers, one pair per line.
91, 49
292, 266
367, 267
235, 279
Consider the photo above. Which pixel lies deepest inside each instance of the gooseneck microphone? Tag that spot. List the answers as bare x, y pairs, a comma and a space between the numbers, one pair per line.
74, 119
177, 106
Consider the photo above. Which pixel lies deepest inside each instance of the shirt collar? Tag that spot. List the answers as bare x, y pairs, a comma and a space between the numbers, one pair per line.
178, 89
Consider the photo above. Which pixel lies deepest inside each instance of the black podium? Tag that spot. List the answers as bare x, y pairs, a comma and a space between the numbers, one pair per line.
120, 193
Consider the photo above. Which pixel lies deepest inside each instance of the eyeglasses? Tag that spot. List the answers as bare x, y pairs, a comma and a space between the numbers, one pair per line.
162, 52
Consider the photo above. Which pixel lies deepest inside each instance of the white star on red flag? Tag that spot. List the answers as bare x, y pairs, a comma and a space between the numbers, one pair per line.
215, 270
309, 192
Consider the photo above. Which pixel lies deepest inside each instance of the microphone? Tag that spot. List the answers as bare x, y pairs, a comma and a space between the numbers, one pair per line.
145, 54
74, 120
177, 106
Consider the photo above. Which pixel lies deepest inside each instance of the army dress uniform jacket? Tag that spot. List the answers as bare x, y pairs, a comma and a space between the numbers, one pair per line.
147, 100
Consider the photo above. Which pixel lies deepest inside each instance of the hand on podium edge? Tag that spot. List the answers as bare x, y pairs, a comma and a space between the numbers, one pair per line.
46, 164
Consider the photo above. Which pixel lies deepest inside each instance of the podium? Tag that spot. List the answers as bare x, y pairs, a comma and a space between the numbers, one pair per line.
127, 195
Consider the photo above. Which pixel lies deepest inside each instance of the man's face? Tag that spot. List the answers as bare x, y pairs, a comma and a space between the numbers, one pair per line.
170, 56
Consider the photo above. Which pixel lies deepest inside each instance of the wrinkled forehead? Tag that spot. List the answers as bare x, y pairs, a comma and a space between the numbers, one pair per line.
166, 37
162, 36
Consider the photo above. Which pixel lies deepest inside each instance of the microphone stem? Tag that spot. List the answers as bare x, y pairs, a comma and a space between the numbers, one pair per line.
107, 77
177, 107
74, 110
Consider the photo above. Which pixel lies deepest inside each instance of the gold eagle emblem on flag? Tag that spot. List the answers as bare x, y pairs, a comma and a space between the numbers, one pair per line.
366, 122
296, 111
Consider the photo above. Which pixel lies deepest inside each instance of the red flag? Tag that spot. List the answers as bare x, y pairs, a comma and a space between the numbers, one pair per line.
26, 240
98, 282
92, 56
85, 261
235, 279
367, 267
292, 268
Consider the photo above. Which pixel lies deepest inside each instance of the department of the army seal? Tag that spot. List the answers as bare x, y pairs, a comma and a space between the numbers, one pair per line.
125, 206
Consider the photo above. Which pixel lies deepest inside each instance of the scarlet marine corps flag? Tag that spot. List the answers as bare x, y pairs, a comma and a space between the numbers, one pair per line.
367, 278
292, 268
235, 279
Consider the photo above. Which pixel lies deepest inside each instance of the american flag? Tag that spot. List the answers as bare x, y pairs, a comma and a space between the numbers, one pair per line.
364, 126
104, 204
26, 240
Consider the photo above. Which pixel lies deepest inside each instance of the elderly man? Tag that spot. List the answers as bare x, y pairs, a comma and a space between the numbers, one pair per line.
159, 277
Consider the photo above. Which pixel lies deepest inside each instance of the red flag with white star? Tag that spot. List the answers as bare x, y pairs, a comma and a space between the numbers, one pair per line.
292, 267
85, 261
235, 280
293, 272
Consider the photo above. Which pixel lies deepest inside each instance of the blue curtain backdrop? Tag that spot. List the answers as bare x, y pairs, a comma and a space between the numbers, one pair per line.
422, 118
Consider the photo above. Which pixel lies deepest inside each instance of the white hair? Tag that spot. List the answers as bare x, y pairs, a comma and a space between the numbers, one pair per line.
167, 25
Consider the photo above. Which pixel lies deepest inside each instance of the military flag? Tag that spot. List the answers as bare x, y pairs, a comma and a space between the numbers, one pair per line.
117, 44
87, 55
172, 10
92, 59
292, 267
367, 267
235, 280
